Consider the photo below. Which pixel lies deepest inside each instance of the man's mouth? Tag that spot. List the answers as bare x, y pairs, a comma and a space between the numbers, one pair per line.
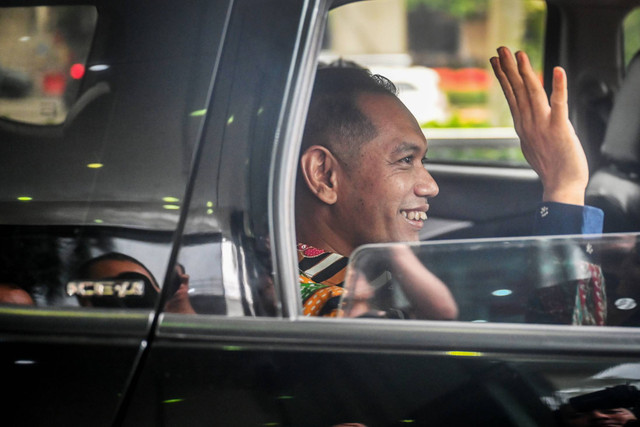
414, 215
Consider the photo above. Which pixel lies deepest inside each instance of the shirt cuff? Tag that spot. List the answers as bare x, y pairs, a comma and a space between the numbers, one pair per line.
553, 218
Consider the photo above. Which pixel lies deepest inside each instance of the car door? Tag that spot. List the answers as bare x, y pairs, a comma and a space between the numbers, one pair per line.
248, 356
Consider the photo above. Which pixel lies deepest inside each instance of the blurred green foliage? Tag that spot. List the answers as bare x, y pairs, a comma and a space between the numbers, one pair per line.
467, 98
631, 34
533, 38
510, 156
456, 121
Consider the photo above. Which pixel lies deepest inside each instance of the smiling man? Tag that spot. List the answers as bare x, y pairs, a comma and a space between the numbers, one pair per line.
377, 192
362, 180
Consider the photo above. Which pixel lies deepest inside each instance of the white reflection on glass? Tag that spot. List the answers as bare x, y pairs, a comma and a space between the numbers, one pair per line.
99, 67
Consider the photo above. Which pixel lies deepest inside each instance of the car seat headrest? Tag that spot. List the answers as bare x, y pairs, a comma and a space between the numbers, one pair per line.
622, 140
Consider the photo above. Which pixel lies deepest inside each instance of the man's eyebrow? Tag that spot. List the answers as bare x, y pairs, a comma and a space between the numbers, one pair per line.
407, 147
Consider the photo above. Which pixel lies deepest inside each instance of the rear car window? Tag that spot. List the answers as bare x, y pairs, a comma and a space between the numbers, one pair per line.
43, 58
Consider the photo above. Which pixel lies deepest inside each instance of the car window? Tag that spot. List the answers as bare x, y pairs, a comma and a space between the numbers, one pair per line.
631, 29
42, 60
586, 280
443, 49
88, 207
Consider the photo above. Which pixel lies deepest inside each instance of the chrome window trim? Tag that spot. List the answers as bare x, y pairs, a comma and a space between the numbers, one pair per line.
400, 336
285, 156
74, 323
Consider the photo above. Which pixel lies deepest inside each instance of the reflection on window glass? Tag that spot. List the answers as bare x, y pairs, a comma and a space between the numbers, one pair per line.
437, 52
88, 209
43, 52
631, 35
591, 280
81, 268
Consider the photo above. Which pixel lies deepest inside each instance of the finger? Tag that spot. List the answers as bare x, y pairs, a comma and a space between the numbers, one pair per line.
502, 79
510, 69
559, 107
506, 87
537, 96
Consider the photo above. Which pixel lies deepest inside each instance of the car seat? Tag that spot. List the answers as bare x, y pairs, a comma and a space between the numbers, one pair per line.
615, 186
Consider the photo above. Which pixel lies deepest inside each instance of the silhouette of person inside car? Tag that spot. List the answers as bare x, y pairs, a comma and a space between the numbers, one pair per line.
118, 280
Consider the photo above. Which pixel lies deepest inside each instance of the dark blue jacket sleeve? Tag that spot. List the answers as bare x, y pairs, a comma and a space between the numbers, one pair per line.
559, 218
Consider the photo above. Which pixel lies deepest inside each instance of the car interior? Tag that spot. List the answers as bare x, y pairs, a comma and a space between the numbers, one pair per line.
615, 185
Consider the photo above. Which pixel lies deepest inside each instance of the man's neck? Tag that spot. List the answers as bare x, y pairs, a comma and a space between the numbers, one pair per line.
314, 228
323, 238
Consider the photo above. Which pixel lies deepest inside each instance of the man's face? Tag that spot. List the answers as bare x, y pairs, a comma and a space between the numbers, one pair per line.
383, 191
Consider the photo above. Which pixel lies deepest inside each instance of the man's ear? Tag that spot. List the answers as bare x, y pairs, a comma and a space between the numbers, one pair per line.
318, 167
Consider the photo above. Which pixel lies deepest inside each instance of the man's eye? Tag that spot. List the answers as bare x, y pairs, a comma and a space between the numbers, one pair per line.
407, 160
425, 160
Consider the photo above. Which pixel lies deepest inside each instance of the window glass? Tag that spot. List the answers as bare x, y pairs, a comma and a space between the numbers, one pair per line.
562, 280
75, 267
225, 247
43, 57
88, 208
437, 53
631, 29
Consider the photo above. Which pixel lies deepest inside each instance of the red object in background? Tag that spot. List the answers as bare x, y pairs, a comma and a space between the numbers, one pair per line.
474, 77
447, 77
77, 71
463, 79
54, 83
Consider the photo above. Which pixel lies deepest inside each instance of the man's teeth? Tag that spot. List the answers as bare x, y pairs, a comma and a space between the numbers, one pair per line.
415, 215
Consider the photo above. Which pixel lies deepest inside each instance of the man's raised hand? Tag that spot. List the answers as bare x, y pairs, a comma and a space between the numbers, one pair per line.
547, 138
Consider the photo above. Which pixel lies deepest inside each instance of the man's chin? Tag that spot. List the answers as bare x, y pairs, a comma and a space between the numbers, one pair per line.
401, 237
406, 238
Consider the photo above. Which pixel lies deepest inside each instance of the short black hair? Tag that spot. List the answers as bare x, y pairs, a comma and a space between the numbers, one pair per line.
335, 120
84, 271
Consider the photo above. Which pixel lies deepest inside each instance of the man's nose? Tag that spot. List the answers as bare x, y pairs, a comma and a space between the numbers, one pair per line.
426, 186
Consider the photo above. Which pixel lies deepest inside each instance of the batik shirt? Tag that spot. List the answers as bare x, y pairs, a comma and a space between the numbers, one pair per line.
321, 280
